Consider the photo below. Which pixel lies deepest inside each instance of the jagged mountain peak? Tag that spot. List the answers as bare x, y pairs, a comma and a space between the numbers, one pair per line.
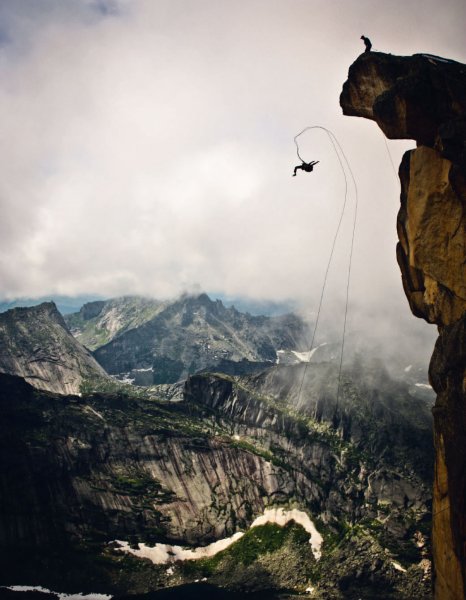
46, 308
92, 309
174, 338
36, 344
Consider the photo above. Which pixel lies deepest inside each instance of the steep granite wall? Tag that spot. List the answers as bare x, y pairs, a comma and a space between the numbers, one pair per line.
35, 343
79, 472
423, 97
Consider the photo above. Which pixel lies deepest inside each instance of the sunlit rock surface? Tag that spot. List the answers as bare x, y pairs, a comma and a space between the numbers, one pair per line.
423, 97
35, 343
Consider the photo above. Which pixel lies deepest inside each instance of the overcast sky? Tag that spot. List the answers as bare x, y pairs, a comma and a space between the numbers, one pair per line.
147, 145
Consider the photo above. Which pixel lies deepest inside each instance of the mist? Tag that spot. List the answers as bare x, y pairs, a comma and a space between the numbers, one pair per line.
150, 150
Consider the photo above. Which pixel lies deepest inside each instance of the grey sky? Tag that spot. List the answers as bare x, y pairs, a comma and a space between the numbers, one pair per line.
148, 145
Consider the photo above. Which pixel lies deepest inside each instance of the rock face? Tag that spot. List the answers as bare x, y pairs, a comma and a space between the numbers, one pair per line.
35, 343
98, 322
195, 333
423, 97
86, 471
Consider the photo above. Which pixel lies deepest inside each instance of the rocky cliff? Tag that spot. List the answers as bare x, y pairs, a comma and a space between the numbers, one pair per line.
98, 322
78, 473
423, 97
35, 343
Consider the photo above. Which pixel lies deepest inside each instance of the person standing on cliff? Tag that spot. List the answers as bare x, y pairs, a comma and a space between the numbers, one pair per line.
367, 43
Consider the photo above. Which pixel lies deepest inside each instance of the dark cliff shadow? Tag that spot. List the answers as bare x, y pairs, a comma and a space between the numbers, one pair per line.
202, 591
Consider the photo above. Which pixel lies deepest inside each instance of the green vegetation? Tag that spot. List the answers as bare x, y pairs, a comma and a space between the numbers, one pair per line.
126, 405
111, 414
93, 385
140, 484
261, 540
255, 448
256, 542
95, 328
166, 369
302, 428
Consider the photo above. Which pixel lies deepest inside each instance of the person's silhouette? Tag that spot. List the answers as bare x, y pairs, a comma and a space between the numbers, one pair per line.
308, 167
367, 43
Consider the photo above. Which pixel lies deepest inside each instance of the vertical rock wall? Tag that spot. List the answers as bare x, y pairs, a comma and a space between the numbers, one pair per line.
35, 343
423, 97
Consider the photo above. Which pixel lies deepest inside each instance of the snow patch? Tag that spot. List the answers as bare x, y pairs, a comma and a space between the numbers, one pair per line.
60, 595
277, 360
398, 567
303, 357
306, 356
127, 380
408, 368
161, 554
97, 414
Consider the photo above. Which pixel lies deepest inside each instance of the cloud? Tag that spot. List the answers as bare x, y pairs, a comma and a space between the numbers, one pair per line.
150, 147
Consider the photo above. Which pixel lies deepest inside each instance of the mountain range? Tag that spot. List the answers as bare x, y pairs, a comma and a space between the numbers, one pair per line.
126, 482
162, 342
197, 462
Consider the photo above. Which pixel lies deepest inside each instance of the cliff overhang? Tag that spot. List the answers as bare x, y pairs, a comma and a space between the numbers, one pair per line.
420, 97
423, 97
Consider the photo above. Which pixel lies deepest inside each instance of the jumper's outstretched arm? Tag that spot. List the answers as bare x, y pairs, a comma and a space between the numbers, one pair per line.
308, 167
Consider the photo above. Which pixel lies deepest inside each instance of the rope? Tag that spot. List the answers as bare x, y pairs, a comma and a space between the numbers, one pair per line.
349, 270
331, 251
296, 143
441, 511
389, 154
336, 146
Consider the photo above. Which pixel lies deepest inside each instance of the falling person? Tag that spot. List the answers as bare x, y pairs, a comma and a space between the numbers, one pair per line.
308, 167
367, 43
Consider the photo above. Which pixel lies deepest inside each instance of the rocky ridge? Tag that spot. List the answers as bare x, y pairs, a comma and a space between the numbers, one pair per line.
116, 466
98, 322
194, 333
35, 343
423, 97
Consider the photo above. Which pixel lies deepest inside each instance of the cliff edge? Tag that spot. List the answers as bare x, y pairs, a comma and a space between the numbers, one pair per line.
423, 97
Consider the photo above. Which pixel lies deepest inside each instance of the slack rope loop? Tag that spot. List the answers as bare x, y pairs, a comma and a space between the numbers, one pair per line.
338, 150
